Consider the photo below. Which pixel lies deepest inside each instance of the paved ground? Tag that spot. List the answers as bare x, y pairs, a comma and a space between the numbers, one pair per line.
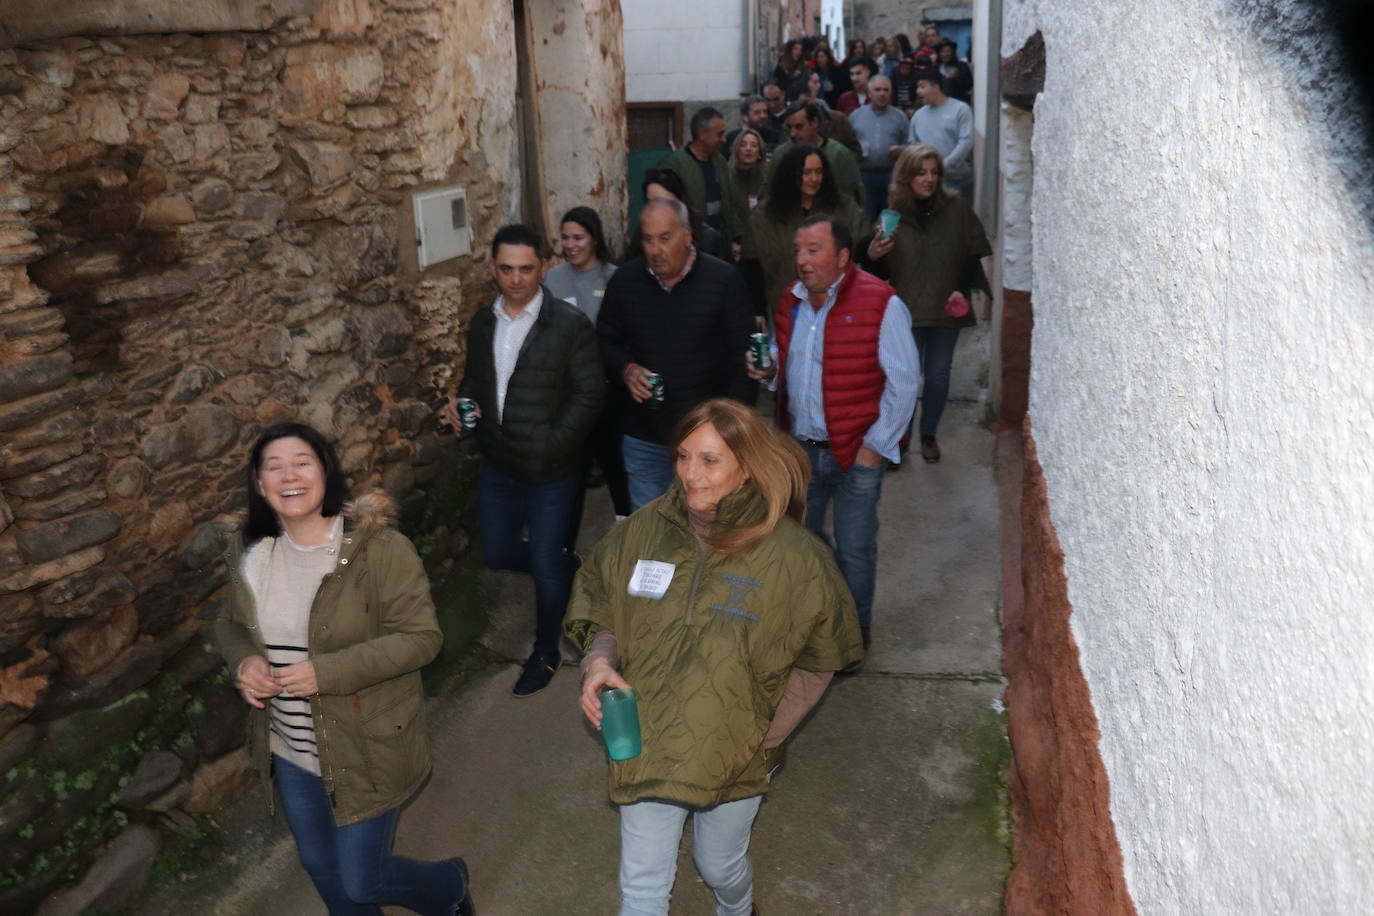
892, 802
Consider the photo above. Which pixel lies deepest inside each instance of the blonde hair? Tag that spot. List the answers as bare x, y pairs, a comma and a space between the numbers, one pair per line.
899, 193
775, 464
734, 149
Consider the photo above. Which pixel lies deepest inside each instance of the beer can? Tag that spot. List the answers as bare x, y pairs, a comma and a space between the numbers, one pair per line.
758, 342
655, 382
467, 413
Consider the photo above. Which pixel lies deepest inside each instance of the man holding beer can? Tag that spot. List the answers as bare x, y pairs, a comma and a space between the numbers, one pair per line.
672, 324
531, 393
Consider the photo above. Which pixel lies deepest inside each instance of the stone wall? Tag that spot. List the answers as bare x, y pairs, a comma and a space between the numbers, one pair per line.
202, 234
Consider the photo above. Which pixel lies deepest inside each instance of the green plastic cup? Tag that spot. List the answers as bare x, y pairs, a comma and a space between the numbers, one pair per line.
620, 723
890, 219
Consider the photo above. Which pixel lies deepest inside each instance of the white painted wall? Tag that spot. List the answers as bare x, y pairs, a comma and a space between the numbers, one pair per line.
832, 25
1201, 394
677, 50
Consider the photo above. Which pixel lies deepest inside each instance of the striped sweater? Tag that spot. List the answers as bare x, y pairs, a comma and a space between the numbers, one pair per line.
284, 578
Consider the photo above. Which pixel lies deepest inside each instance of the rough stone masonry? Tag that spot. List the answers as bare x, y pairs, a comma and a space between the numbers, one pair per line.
202, 233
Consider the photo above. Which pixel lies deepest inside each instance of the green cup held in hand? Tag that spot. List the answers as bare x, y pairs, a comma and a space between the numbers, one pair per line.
620, 723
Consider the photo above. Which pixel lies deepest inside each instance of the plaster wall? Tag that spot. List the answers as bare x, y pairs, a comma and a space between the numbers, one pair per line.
1202, 376
580, 92
681, 51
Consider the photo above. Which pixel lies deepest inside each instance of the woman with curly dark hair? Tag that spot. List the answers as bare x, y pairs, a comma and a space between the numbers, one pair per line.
802, 185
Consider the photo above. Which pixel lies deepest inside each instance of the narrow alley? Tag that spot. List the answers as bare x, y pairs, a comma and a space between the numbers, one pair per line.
892, 801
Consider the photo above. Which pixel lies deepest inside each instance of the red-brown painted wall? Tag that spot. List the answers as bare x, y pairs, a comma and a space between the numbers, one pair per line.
1017, 322
1067, 860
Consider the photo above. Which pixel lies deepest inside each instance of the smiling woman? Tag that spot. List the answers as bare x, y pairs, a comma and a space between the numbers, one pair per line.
768, 620
306, 554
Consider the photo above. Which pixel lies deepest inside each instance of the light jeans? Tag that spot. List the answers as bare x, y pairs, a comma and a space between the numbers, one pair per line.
650, 832
854, 494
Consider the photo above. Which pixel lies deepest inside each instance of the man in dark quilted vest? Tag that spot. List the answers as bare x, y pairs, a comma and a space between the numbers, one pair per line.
535, 372
847, 371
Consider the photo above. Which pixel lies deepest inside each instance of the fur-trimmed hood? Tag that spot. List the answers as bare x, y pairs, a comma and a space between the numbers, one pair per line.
371, 512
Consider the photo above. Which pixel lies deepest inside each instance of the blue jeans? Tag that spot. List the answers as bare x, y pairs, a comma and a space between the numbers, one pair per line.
875, 194
855, 494
649, 835
352, 866
936, 349
507, 507
649, 468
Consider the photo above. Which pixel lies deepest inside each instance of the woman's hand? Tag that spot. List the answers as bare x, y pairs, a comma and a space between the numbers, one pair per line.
599, 676
254, 680
297, 680
879, 247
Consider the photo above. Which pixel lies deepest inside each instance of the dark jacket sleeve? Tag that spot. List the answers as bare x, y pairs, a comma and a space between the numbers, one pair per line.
612, 329
738, 324
587, 388
976, 247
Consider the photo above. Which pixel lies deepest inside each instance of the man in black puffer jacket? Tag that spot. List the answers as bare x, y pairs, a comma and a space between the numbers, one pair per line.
535, 372
684, 315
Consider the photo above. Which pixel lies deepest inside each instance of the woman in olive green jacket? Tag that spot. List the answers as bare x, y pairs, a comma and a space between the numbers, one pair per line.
728, 618
934, 260
326, 628
802, 185
747, 168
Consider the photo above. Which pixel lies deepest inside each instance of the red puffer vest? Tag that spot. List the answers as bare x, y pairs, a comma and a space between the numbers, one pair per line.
851, 376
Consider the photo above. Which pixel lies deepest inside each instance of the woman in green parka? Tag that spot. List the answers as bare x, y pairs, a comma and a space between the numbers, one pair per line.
327, 624
802, 185
728, 618
747, 169
934, 260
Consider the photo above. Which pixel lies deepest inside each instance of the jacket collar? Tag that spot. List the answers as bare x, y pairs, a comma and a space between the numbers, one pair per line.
370, 513
736, 510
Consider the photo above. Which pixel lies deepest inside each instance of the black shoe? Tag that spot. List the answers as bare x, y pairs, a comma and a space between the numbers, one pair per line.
465, 906
930, 449
539, 670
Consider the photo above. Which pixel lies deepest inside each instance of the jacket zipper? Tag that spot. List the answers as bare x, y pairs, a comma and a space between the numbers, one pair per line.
696, 578
317, 708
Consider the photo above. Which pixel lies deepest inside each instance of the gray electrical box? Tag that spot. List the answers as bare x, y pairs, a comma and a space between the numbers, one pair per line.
441, 224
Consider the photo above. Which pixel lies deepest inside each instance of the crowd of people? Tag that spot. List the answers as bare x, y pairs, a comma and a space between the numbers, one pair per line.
820, 252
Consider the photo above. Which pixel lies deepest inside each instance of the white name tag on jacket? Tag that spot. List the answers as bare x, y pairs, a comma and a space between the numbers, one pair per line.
651, 579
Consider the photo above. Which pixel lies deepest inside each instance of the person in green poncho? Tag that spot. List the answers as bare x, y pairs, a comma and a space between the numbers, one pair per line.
934, 260
729, 619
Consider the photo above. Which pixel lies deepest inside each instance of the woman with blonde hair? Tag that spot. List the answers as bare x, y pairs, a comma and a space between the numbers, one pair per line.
728, 618
747, 172
934, 260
